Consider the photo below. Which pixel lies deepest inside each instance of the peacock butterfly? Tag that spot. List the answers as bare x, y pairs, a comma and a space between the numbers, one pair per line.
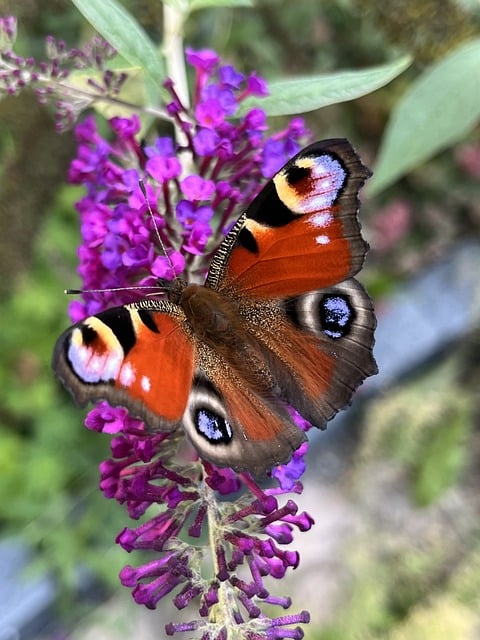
279, 322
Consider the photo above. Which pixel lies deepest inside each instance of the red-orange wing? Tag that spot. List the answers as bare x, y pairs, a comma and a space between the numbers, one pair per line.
301, 233
318, 346
139, 356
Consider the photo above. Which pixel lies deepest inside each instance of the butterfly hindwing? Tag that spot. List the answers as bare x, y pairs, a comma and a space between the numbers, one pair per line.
301, 232
318, 346
140, 356
233, 425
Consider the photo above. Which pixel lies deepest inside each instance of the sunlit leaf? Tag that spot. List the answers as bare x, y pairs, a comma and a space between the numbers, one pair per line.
300, 95
439, 109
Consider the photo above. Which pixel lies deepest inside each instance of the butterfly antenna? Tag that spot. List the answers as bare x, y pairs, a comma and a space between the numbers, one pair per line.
76, 292
143, 189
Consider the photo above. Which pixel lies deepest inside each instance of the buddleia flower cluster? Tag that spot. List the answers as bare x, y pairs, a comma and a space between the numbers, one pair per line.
152, 210
54, 80
132, 190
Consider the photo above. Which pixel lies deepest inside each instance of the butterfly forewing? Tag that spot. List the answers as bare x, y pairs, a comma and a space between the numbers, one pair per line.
139, 356
301, 232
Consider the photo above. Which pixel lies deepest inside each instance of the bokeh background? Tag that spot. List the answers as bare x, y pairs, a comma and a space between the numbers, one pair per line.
394, 483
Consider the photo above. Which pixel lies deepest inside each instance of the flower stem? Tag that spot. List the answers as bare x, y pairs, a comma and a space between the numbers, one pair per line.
174, 19
223, 613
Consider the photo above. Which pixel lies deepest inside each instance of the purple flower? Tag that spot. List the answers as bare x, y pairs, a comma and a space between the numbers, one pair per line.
86, 130
239, 535
275, 155
188, 213
210, 113
256, 120
256, 86
140, 255
125, 128
289, 474
205, 141
230, 77
198, 238
196, 188
107, 419
204, 60
163, 168
170, 267
224, 95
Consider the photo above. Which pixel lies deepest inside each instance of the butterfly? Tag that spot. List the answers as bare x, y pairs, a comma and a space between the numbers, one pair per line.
280, 322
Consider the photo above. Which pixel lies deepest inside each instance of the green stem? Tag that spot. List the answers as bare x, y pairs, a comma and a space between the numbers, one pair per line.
174, 19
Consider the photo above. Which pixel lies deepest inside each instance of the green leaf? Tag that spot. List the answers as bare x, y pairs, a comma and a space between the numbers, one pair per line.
439, 109
299, 95
124, 33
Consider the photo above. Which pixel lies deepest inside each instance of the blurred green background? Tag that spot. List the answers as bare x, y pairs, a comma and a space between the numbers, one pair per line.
406, 485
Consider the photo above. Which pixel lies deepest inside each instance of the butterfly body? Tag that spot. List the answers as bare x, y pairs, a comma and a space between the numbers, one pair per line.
280, 322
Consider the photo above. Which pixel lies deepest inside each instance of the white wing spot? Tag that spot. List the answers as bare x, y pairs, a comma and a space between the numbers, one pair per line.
322, 239
321, 219
127, 375
146, 383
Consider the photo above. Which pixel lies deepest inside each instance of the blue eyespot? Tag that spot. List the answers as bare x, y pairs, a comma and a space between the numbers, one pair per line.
336, 315
213, 427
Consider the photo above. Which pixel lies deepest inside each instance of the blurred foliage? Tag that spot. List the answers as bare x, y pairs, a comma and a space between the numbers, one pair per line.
49, 463
409, 577
425, 426
413, 561
428, 29
31, 155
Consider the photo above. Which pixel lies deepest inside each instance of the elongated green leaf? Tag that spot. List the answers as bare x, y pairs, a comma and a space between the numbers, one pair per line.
440, 107
124, 33
299, 95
